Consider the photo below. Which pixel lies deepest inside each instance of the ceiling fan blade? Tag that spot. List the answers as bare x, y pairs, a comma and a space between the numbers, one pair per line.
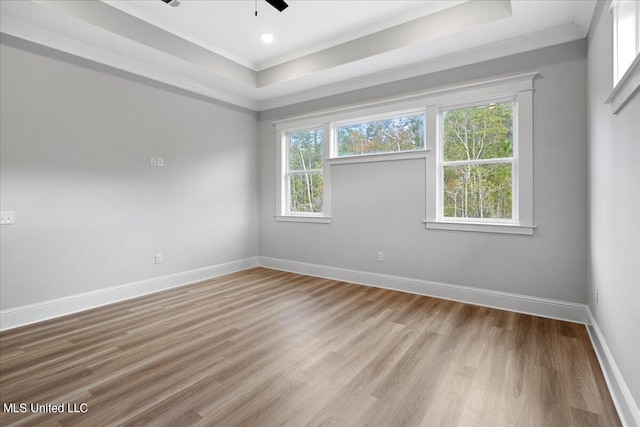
278, 4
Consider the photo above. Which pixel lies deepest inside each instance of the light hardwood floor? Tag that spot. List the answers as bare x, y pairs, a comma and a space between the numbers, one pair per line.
268, 348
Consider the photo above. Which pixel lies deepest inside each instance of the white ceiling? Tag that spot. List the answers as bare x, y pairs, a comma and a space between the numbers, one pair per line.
321, 47
230, 28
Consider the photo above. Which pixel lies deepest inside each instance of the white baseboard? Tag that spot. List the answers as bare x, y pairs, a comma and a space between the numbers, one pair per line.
32, 313
626, 406
544, 307
573, 312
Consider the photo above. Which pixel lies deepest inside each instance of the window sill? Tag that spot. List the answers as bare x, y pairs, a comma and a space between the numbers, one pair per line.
481, 227
379, 157
304, 218
626, 88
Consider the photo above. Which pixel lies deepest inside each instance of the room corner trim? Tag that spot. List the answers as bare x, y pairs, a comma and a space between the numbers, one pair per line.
544, 307
32, 313
622, 398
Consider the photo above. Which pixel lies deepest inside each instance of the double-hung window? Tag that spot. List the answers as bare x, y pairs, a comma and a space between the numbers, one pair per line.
303, 180
482, 177
304, 172
477, 166
476, 141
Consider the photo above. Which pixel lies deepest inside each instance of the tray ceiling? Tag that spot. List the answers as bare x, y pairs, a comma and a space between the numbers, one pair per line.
321, 47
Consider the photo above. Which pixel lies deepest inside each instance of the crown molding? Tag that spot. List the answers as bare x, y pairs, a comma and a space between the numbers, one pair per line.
41, 23
560, 35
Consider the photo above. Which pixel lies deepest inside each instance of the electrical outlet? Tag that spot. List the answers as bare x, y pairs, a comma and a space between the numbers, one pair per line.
160, 161
154, 161
380, 256
7, 217
158, 258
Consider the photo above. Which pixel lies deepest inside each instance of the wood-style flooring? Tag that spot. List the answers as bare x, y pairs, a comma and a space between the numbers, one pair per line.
268, 348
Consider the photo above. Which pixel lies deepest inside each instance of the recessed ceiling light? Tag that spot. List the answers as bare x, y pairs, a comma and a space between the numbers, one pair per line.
266, 37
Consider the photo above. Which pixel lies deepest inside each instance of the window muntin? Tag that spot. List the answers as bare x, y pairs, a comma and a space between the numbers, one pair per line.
396, 133
517, 89
477, 164
304, 174
626, 24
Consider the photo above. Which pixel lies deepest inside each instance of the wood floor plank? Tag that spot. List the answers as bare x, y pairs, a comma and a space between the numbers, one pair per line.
269, 348
447, 406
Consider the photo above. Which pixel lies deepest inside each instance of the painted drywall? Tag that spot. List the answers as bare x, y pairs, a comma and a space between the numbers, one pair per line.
91, 212
381, 206
614, 221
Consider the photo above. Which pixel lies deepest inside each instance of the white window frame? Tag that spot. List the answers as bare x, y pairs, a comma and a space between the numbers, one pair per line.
284, 213
518, 88
377, 117
626, 82
513, 160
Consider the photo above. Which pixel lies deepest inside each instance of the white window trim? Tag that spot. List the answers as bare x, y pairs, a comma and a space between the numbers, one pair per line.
481, 227
521, 91
288, 173
627, 87
629, 83
378, 157
304, 218
518, 87
513, 160
456, 94
283, 213
372, 157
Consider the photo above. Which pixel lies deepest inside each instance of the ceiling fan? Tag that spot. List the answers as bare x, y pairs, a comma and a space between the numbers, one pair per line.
280, 5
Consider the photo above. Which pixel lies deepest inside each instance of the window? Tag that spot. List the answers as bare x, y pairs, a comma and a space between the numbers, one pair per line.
304, 172
382, 135
303, 181
626, 52
477, 163
626, 36
476, 141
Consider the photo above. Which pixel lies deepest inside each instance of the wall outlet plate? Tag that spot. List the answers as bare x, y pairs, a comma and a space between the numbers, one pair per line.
7, 217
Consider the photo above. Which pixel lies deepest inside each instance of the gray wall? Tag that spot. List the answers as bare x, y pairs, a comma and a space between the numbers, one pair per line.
614, 206
76, 144
380, 206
